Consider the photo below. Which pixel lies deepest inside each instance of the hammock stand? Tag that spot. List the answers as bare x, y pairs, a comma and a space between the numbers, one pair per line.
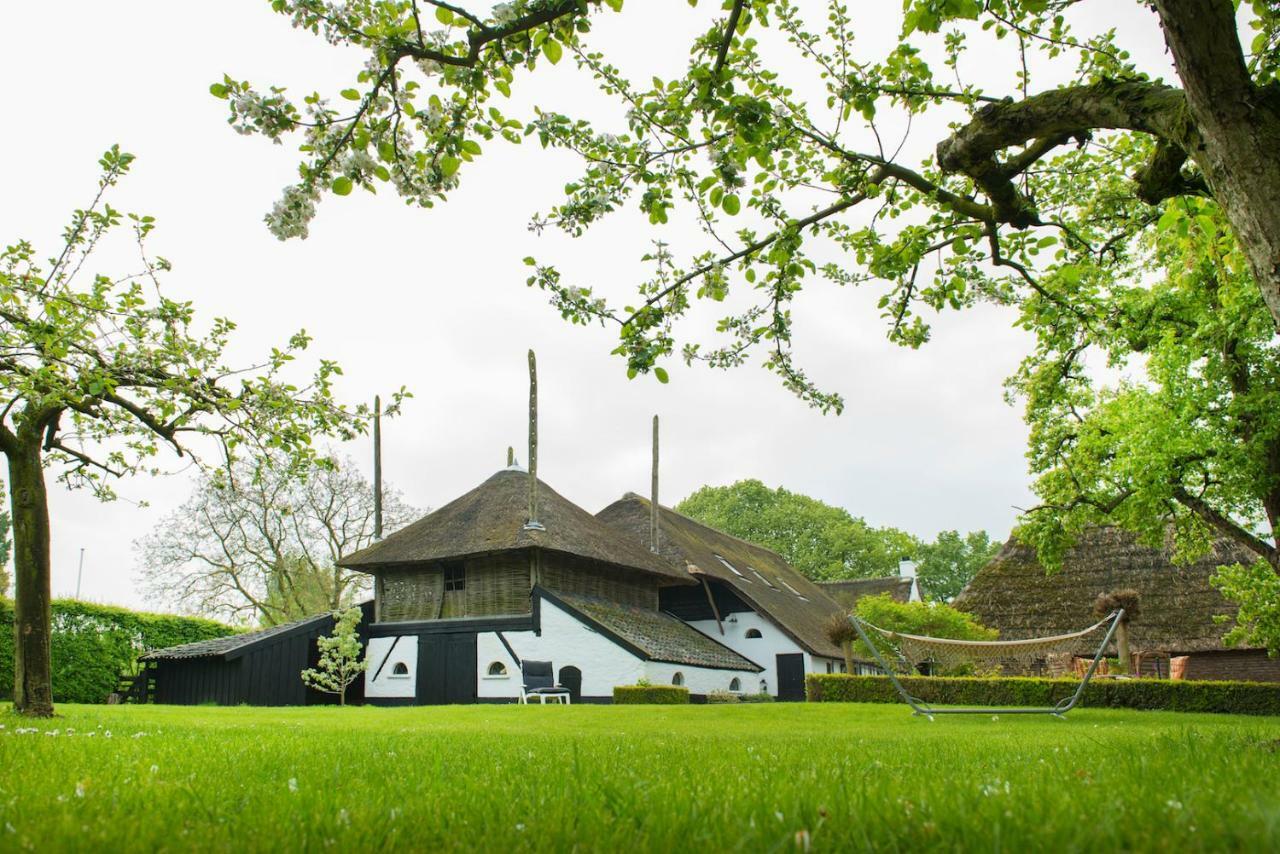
979, 648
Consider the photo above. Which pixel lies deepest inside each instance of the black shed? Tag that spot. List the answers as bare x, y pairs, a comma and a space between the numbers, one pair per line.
260, 668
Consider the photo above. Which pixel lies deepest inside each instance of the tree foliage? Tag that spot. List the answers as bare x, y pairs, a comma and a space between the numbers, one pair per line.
340, 657
262, 545
1030, 192
932, 619
100, 373
947, 564
821, 541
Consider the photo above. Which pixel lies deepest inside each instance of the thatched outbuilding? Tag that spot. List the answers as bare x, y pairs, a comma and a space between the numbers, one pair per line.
1181, 613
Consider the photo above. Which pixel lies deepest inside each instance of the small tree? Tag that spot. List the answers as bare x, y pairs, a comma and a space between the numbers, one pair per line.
840, 631
340, 657
1108, 603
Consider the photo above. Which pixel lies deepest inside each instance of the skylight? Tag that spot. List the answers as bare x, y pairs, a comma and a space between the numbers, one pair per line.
732, 568
766, 581
793, 590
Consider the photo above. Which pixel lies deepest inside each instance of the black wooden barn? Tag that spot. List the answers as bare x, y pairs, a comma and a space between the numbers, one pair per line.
256, 668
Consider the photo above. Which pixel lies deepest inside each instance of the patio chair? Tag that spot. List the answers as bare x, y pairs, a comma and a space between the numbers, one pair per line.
540, 682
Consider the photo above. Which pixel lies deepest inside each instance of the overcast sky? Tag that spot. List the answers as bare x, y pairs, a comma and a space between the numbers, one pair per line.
435, 299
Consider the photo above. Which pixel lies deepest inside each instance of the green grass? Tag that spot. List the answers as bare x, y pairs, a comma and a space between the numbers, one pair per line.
752, 777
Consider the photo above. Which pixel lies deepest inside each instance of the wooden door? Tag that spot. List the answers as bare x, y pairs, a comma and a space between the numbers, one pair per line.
446, 669
791, 676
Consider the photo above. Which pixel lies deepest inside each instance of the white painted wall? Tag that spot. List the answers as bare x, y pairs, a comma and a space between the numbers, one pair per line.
762, 650
702, 680
388, 685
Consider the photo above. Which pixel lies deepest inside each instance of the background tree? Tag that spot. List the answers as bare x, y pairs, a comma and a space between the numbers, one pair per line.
821, 541
947, 564
6, 544
775, 168
932, 619
340, 659
263, 545
98, 372
1186, 444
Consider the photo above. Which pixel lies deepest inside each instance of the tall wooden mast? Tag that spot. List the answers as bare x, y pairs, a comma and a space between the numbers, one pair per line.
377, 468
653, 498
533, 444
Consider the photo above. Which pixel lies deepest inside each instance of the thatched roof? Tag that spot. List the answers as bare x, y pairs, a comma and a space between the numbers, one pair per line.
653, 635
779, 592
491, 518
1013, 593
848, 591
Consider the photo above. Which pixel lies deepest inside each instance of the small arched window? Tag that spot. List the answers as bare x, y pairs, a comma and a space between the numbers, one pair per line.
764, 686
753, 633
735, 684
497, 668
678, 679
400, 669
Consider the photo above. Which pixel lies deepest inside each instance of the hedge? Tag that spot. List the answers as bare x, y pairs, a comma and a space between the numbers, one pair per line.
1244, 698
661, 695
94, 644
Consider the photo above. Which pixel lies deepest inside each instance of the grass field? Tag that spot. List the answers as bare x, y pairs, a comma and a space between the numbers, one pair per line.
754, 778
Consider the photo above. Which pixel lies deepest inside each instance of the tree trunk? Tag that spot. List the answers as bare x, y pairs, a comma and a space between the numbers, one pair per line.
32, 679
1122, 648
1238, 126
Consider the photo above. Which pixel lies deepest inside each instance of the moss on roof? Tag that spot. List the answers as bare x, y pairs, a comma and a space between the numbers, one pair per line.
1015, 595
491, 518
848, 591
763, 578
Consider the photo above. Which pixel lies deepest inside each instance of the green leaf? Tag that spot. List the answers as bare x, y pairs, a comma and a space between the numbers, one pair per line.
552, 49
350, 94
449, 165
470, 146
218, 90
342, 185
444, 16
732, 205
661, 374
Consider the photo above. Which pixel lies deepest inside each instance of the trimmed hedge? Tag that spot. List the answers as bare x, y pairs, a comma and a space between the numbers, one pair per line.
1243, 698
659, 695
94, 644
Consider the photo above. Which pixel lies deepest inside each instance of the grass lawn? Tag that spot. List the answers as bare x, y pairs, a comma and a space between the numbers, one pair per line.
758, 777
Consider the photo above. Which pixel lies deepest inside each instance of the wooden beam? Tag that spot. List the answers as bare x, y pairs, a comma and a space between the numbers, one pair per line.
377, 468
653, 500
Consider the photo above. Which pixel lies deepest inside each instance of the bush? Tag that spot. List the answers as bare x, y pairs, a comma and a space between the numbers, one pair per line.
94, 644
658, 695
721, 696
1244, 698
762, 697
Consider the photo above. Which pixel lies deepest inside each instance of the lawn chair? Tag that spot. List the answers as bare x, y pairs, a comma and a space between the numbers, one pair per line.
540, 682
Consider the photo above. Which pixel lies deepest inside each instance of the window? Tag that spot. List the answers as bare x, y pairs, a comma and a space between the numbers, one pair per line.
764, 686
795, 591
828, 666
400, 669
763, 580
735, 684
678, 679
753, 633
732, 568
497, 670
455, 577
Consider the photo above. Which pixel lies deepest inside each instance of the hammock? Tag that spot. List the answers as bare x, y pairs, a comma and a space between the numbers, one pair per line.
948, 652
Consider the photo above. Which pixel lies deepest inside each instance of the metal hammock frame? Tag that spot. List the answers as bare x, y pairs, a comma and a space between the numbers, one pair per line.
919, 708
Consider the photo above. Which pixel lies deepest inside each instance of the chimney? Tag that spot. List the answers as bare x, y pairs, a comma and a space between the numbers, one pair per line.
653, 498
533, 524
377, 468
907, 569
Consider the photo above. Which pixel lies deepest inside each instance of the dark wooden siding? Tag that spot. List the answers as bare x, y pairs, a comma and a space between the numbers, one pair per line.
495, 586
690, 603
570, 574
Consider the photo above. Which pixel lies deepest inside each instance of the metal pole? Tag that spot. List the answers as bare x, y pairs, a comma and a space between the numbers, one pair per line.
80, 573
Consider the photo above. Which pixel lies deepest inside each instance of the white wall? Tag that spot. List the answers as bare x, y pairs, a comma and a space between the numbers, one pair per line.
388, 685
762, 650
702, 680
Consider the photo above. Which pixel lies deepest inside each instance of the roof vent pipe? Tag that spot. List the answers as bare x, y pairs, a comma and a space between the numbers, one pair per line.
653, 498
533, 524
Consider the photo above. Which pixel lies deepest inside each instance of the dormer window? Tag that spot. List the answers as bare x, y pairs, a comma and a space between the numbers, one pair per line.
455, 577
731, 568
